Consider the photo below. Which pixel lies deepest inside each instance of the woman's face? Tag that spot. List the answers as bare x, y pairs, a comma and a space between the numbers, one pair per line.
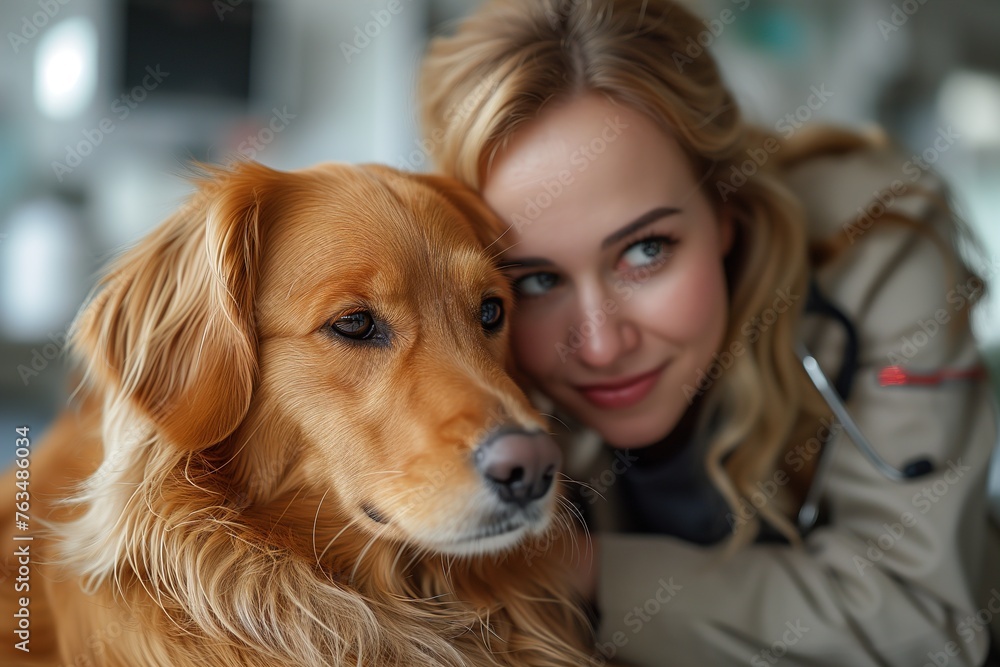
617, 257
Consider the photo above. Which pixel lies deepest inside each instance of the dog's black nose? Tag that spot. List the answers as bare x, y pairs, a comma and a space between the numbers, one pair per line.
518, 464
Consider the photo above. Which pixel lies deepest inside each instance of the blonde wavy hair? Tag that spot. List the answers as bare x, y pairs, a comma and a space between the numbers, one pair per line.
513, 57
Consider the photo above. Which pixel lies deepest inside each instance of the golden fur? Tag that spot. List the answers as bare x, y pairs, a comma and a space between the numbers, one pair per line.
240, 486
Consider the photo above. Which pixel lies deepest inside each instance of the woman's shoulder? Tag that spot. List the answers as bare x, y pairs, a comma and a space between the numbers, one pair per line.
895, 269
847, 182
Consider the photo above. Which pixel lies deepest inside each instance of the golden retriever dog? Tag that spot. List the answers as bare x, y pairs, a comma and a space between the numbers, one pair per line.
296, 443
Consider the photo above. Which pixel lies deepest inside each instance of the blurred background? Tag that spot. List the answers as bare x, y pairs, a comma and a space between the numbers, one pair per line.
103, 103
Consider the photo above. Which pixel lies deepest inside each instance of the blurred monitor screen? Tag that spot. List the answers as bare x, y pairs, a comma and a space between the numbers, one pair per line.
203, 46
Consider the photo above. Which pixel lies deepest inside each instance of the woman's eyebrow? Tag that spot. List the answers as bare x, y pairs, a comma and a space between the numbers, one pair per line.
637, 224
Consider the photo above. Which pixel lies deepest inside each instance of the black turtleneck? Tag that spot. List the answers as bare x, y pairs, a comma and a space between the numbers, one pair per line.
667, 492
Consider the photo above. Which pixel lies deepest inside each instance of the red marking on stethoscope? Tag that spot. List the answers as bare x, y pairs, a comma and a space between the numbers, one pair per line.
897, 376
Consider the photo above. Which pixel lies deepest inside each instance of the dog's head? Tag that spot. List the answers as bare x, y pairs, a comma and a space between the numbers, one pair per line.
333, 341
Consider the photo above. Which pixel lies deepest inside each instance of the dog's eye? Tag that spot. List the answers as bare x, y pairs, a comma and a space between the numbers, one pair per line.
491, 314
358, 325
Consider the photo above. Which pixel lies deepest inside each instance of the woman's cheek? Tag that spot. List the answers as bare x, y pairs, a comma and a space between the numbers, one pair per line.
686, 304
535, 337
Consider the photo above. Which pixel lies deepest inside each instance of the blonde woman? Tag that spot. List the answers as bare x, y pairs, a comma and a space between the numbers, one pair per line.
670, 262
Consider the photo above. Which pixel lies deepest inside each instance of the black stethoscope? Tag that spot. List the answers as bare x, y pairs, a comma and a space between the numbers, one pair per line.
835, 393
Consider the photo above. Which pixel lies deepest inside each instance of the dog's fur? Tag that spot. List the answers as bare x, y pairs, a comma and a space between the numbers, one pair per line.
240, 486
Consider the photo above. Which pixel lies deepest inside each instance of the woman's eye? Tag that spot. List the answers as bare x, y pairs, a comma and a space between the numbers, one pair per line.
536, 284
647, 252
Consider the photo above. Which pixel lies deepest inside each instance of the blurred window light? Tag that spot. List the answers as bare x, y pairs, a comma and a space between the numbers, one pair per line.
971, 100
66, 68
42, 270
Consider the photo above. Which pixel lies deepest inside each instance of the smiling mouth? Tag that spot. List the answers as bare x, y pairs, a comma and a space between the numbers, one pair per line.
622, 393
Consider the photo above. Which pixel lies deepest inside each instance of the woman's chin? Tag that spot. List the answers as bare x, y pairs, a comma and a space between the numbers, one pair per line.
636, 443
631, 435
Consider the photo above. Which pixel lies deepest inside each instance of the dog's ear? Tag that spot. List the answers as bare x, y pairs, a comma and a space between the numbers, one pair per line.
171, 326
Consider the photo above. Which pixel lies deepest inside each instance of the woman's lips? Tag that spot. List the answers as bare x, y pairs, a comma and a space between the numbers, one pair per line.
621, 393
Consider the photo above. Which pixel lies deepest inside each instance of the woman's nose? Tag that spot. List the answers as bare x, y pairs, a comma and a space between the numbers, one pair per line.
604, 332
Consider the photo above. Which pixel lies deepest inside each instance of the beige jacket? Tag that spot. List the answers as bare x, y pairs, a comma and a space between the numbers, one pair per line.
904, 574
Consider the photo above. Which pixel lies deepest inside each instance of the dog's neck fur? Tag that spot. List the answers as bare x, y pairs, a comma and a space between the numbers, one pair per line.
242, 585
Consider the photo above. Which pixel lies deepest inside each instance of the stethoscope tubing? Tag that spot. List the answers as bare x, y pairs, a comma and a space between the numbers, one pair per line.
809, 512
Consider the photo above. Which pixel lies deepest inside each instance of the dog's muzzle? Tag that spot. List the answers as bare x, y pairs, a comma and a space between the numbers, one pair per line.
518, 465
